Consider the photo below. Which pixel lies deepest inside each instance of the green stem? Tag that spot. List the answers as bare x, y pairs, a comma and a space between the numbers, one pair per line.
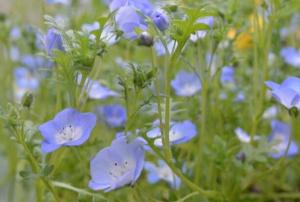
168, 74
36, 169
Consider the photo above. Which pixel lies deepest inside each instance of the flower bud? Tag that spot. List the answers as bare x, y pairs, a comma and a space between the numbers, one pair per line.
160, 19
146, 39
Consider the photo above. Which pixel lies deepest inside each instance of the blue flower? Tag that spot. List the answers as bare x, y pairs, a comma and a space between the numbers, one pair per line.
186, 84
201, 34
161, 172
160, 19
68, 128
53, 41
280, 135
180, 132
117, 165
65, 2
90, 27
114, 115
227, 76
160, 49
128, 20
96, 90
26, 81
291, 56
287, 93
244, 137
144, 6
35, 62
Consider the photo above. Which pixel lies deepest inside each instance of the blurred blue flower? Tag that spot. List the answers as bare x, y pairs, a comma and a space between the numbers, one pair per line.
287, 93
180, 132
186, 84
161, 50
65, 2
201, 34
15, 33
117, 165
160, 19
98, 91
68, 128
244, 137
34, 62
144, 6
280, 135
161, 172
128, 20
113, 115
53, 41
90, 27
227, 76
291, 56
25, 81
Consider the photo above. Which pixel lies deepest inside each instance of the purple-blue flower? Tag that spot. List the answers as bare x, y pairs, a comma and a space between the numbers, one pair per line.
201, 34
35, 62
180, 132
65, 2
160, 19
117, 165
280, 135
113, 115
128, 20
25, 81
287, 93
186, 84
53, 41
161, 172
68, 128
161, 50
144, 6
227, 75
291, 56
95, 89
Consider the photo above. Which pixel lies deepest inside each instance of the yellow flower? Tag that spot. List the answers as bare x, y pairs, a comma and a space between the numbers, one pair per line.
231, 33
243, 41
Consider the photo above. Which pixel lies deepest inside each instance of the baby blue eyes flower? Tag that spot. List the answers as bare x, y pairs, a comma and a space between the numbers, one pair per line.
65, 2
117, 165
161, 172
161, 50
26, 81
180, 132
114, 115
160, 19
280, 135
68, 128
287, 93
186, 84
244, 137
53, 41
291, 56
144, 6
128, 20
227, 76
201, 34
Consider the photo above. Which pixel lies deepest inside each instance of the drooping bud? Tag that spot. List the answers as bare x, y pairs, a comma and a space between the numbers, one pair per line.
146, 39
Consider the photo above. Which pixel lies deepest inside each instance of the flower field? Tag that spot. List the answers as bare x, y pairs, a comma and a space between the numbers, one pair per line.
150, 101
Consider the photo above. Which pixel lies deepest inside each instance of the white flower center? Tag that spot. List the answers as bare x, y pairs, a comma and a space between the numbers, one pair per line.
119, 169
281, 144
68, 133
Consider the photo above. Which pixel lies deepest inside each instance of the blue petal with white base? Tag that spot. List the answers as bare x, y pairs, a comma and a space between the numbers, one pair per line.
68, 128
117, 165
